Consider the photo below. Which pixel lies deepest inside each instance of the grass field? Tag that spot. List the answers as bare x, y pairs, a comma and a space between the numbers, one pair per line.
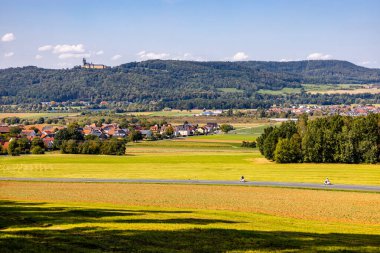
51, 217
36, 115
230, 90
186, 159
280, 92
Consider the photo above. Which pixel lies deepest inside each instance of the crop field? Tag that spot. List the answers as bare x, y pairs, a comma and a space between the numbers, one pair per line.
326, 89
171, 113
36, 115
349, 91
127, 217
53, 217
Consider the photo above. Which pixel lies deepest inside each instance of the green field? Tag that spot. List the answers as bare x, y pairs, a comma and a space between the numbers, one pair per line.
186, 159
280, 92
36, 115
230, 90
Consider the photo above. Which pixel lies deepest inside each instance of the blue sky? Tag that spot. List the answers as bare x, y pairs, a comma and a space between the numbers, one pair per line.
57, 34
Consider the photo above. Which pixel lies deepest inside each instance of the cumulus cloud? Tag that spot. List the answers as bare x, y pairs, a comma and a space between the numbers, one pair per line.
144, 55
116, 57
45, 48
38, 57
318, 56
72, 56
62, 49
65, 48
9, 54
100, 52
65, 51
240, 56
8, 37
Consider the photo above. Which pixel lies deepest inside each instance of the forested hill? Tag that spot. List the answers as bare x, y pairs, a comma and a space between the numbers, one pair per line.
175, 83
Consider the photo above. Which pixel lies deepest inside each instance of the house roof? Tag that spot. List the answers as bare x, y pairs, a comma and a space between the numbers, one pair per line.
6, 144
4, 129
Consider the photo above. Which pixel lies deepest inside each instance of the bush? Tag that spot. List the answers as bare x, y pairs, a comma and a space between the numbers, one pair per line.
37, 150
113, 147
247, 144
226, 128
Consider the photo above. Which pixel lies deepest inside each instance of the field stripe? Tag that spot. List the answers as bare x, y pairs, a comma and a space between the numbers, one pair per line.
367, 188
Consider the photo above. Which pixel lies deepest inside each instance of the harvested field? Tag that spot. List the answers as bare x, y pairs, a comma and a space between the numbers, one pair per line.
326, 206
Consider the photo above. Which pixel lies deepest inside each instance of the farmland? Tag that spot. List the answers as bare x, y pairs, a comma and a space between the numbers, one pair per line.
53, 216
192, 158
326, 89
36, 115
168, 218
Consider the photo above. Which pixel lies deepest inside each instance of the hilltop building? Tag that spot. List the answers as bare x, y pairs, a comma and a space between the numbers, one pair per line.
87, 65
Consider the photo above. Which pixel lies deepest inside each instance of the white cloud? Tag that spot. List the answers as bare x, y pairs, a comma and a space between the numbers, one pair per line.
9, 54
188, 57
8, 37
365, 62
100, 52
38, 57
318, 56
240, 56
287, 60
144, 55
116, 57
59, 49
71, 56
369, 64
45, 48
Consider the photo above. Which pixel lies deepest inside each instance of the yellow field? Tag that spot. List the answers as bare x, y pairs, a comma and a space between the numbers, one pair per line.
325, 206
354, 91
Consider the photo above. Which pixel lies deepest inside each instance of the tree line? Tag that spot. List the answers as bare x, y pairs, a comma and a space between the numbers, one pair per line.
333, 139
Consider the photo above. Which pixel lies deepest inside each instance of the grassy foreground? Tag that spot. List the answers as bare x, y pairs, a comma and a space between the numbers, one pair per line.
53, 217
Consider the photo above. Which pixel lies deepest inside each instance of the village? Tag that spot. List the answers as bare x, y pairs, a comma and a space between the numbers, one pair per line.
46, 133
324, 110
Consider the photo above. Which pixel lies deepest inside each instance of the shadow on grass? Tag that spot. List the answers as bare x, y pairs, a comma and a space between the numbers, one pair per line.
178, 221
32, 234
20, 214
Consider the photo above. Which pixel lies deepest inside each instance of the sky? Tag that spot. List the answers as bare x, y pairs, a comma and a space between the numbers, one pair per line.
59, 33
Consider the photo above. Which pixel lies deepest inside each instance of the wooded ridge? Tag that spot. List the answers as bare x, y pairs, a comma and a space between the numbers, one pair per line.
182, 84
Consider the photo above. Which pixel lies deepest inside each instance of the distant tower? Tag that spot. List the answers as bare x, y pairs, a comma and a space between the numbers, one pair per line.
84, 62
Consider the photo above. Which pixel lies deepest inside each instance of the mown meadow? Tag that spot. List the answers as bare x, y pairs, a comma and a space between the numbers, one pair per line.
93, 217
196, 158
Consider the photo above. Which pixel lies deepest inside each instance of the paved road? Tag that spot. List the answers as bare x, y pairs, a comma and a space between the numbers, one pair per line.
200, 182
